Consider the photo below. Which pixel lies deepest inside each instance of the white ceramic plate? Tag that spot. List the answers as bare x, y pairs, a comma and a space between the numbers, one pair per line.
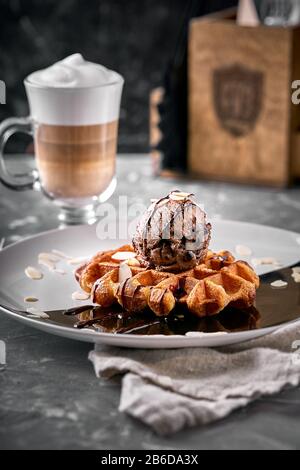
54, 290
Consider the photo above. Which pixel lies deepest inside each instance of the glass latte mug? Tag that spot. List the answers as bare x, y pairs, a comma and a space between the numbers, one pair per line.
75, 130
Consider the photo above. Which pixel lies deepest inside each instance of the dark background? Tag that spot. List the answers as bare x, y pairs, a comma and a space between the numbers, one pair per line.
138, 38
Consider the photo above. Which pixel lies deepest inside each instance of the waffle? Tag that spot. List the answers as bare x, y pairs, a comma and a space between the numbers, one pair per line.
101, 264
205, 290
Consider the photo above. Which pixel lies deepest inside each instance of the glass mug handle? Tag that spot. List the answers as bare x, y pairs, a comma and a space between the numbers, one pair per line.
22, 181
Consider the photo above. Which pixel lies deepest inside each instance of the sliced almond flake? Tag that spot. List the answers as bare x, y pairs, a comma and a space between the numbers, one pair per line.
243, 250
266, 260
296, 277
279, 284
134, 262
49, 257
47, 263
177, 198
123, 255
30, 298
124, 272
80, 295
74, 261
37, 313
296, 270
181, 194
33, 273
60, 254
59, 271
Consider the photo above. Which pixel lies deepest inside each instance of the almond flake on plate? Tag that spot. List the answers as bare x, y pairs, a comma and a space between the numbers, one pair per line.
33, 273
59, 271
279, 284
266, 260
123, 255
124, 272
37, 313
243, 250
80, 295
74, 261
51, 257
296, 277
47, 263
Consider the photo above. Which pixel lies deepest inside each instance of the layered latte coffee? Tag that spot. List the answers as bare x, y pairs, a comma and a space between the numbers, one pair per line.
75, 108
74, 114
76, 161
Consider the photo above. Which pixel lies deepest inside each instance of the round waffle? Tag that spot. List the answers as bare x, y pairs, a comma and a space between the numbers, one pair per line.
205, 290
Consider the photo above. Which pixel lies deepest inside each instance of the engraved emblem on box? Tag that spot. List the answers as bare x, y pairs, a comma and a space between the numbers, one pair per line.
238, 98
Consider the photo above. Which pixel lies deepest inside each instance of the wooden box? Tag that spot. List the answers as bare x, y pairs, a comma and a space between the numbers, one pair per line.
243, 125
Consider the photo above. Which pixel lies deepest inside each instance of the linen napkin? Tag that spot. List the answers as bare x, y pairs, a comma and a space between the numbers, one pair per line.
170, 389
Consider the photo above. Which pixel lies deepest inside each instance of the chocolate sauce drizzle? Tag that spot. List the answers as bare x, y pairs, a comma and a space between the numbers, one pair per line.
116, 320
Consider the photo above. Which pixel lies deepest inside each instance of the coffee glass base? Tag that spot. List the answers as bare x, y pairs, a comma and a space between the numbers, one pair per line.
83, 211
77, 216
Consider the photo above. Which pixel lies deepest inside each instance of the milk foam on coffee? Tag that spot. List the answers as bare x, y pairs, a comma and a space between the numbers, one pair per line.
72, 72
75, 92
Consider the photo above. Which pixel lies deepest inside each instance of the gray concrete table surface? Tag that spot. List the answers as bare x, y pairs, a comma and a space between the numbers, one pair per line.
49, 395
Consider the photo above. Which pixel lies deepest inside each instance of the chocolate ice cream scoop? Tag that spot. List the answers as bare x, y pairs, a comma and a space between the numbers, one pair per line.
173, 234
